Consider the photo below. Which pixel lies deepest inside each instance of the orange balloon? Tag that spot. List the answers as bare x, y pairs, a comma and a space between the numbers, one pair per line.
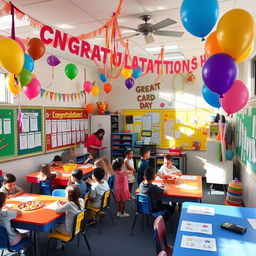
89, 108
36, 48
34, 76
107, 87
211, 45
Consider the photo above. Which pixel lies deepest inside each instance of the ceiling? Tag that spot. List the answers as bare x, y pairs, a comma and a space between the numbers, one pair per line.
87, 15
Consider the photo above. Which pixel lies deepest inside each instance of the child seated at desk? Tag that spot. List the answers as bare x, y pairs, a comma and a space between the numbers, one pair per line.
56, 162
9, 186
77, 179
6, 215
46, 173
168, 168
92, 158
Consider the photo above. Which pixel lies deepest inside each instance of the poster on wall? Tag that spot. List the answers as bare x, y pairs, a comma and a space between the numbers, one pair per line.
65, 127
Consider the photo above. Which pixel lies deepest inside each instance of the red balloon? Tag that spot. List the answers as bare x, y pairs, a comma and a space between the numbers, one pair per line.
107, 87
36, 48
89, 108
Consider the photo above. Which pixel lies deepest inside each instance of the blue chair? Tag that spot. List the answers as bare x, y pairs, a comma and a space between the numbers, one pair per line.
5, 243
46, 187
59, 192
111, 181
144, 208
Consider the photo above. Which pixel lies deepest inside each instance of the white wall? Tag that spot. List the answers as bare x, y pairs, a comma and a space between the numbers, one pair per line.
61, 84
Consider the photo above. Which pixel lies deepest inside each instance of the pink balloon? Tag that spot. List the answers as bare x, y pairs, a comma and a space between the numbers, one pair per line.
19, 42
162, 105
32, 89
235, 98
87, 86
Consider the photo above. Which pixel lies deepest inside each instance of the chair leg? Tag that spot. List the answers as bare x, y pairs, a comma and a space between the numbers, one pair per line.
134, 222
78, 241
87, 243
64, 248
110, 214
47, 248
2, 253
97, 222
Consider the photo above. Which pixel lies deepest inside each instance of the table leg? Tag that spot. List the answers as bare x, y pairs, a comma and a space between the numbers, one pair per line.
31, 188
36, 239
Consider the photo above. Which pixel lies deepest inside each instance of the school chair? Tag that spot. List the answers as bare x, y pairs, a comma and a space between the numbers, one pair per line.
160, 237
59, 192
77, 229
96, 212
111, 183
46, 187
5, 243
162, 253
144, 208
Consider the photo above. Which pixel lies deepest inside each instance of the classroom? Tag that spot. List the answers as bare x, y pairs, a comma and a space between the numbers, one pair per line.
127, 127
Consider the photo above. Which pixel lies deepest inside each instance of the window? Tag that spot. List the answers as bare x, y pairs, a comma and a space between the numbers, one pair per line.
5, 96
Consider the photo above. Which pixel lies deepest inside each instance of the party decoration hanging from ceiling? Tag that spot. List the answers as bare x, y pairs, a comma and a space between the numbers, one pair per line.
129, 83
12, 84
103, 77
33, 89
89, 108
28, 62
36, 48
53, 60
246, 54
88, 86
211, 45
19, 42
210, 97
127, 73
199, 16
71, 71
95, 90
107, 87
25, 77
136, 72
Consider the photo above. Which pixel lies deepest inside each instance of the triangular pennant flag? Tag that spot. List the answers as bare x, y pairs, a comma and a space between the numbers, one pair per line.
71, 95
55, 96
78, 95
60, 96
51, 95
82, 93
75, 96
46, 94
68, 97
42, 92
64, 97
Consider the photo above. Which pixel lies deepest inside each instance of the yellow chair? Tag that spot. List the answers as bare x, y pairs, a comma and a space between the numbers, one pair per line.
77, 229
96, 212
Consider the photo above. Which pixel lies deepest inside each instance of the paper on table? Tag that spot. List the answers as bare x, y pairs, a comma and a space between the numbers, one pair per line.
86, 166
197, 227
31, 140
187, 177
52, 206
253, 223
59, 122
187, 187
38, 139
54, 126
158, 178
7, 125
66, 174
23, 141
9, 205
200, 243
24, 198
160, 185
201, 210
54, 141
25, 123
48, 126
33, 123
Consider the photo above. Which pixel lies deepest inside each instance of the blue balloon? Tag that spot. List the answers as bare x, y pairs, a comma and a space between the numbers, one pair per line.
28, 62
210, 97
103, 77
199, 16
137, 72
229, 154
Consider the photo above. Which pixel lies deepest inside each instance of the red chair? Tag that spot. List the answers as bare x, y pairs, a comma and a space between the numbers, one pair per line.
160, 237
162, 253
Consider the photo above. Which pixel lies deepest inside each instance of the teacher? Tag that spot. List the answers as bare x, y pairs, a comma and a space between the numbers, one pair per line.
94, 142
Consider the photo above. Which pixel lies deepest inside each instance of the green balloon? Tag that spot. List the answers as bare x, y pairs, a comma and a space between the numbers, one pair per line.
71, 71
25, 77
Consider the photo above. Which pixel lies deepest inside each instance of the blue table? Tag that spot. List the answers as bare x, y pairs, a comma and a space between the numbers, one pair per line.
228, 243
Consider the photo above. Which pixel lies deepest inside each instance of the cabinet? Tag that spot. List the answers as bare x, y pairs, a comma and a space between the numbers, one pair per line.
120, 142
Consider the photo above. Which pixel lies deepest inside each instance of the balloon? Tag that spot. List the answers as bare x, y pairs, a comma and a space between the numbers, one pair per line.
11, 56
25, 77
162, 105
71, 71
107, 87
235, 98
219, 73
12, 85
235, 32
35, 48
103, 78
129, 83
87, 86
95, 90
53, 60
19, 42
229, 154
34, 76
33, 89
126, 72
211, 45
199, 16
246, 54
136, 72
28, 62
210, 97
89, 108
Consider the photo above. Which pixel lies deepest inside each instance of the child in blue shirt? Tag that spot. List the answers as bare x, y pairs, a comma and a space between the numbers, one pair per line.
77, 179
143, 164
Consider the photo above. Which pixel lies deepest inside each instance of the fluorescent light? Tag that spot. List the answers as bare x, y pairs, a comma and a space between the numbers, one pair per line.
158, 49
36, 32
6, 22
65, 26
173, 56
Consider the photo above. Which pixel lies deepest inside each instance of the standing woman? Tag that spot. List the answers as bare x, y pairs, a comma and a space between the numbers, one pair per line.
94, 142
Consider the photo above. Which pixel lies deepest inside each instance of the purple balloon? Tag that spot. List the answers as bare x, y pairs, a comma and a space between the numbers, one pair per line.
129, 82
219, 73
53, 60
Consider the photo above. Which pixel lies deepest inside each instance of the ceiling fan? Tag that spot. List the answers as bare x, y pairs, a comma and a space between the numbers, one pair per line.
150, 29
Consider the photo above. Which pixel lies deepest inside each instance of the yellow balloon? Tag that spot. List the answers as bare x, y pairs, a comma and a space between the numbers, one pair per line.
126, 72
95, 90
12, 85
11, 56
246, 54
235, 32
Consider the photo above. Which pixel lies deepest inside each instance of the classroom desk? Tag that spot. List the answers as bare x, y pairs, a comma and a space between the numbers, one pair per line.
177, 194
40, 220
62, 180
228, 243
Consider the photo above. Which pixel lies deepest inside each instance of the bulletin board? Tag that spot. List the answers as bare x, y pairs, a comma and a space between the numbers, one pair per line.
8, 130
246, 137
65, 127
173, 128
31, 137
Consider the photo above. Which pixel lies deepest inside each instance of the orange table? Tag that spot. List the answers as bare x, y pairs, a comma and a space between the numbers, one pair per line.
183, 190
62, 180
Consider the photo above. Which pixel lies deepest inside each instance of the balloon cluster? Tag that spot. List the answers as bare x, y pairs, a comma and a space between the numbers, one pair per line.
130, 75
102, 107
20, 65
